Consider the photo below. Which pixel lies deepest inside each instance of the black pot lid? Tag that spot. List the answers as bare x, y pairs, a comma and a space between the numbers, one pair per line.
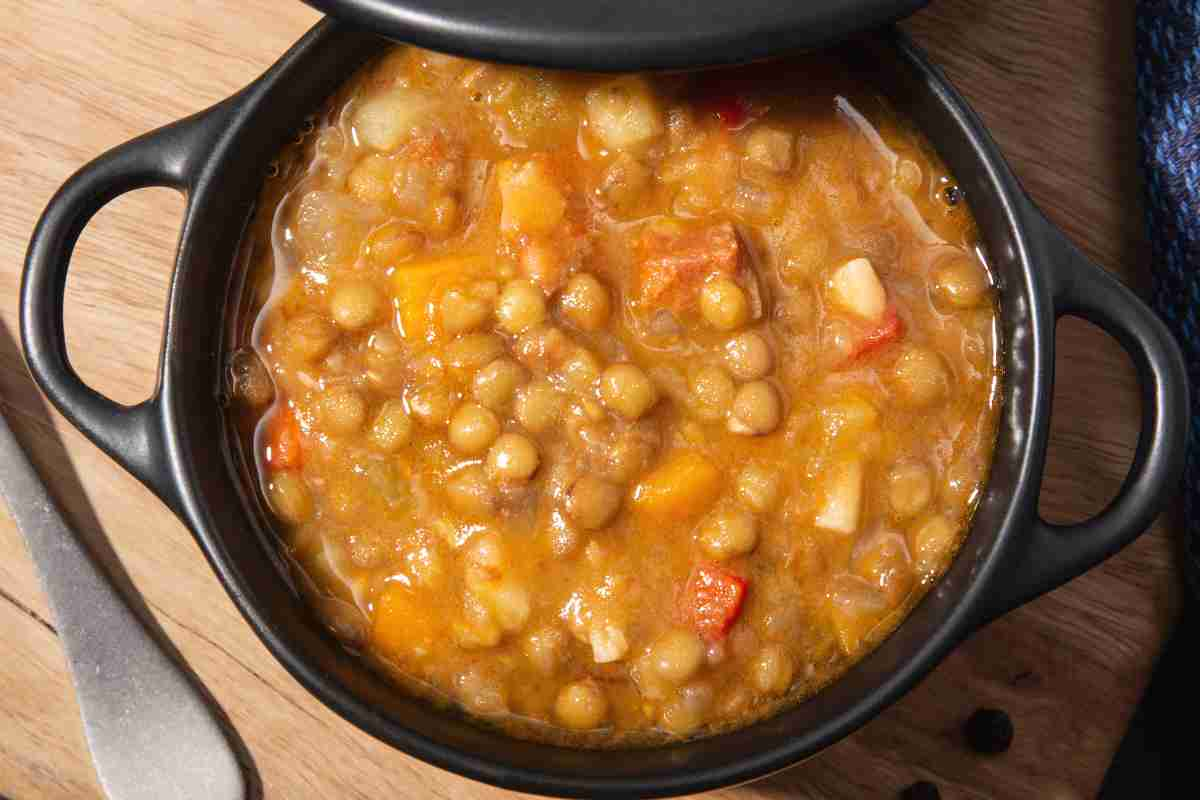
619, 35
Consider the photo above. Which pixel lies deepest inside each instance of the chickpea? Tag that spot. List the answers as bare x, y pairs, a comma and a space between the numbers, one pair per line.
677, 655
289, 497
512, 457
581, 369
758, 487
920, 378
494, 385
538, 406
724, 305
771, 670
510, 605
477, 632
385, 367
425, 564
480, 692
344, 496
473, 428
431, 404
748, 356
592, 503
469, 491
343, 411
486, 556
539, 348
391, 428
546, 649
521, 306
883, 561
626, 458
687, 711
393, 244
471, 351
932, 540
586, 303
957, 283
581, 705
461, 312
627, 390
727, 534
910, 488
712, 393
371, 179
309, 336
757, 409
355, 305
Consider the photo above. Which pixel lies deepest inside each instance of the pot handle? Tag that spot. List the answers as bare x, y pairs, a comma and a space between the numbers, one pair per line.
1053, 554
169, 157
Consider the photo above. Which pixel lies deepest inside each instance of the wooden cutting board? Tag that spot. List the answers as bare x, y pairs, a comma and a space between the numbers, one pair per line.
1054, 83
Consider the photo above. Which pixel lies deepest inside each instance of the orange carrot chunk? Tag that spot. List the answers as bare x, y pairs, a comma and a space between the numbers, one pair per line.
283, 441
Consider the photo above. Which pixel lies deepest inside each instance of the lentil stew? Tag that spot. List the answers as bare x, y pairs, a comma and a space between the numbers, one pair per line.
615, 409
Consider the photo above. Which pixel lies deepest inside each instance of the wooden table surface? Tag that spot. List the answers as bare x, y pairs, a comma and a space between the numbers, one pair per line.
1054, 82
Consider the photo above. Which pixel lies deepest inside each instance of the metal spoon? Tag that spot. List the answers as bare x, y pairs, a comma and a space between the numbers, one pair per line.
152, 733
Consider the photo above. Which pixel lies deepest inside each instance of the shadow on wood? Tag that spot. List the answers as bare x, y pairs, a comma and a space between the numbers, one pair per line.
47, 448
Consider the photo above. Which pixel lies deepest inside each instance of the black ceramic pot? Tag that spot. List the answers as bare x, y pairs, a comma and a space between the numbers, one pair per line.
179, 444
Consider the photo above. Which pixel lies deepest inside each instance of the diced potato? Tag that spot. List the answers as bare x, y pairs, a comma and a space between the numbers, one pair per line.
382, 122
770, 149
855, 608
842, 505
623, 114
415, 287
684, 485
402, 626
608, 644
531, 201
855, 288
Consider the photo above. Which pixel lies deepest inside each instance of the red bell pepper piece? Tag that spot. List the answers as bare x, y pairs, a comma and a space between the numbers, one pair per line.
732, 110
889, 329
712, 600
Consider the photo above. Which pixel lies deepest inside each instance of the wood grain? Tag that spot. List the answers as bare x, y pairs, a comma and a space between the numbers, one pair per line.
1054, 83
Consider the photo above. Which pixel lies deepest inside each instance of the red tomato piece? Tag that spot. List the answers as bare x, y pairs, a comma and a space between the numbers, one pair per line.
712, 600
283, 441
726, 93
733, 111
890, 328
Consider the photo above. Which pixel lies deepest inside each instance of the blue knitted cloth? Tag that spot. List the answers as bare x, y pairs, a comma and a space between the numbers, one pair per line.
1168, 98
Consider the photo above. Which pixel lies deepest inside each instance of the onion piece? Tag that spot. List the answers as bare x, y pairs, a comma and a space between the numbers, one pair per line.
902, 202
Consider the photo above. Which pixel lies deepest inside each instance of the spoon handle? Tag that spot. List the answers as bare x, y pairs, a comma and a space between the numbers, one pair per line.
151, 731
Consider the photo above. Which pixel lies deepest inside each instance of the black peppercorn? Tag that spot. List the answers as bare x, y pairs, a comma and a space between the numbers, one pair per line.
989, 730
952, 195
921, 790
